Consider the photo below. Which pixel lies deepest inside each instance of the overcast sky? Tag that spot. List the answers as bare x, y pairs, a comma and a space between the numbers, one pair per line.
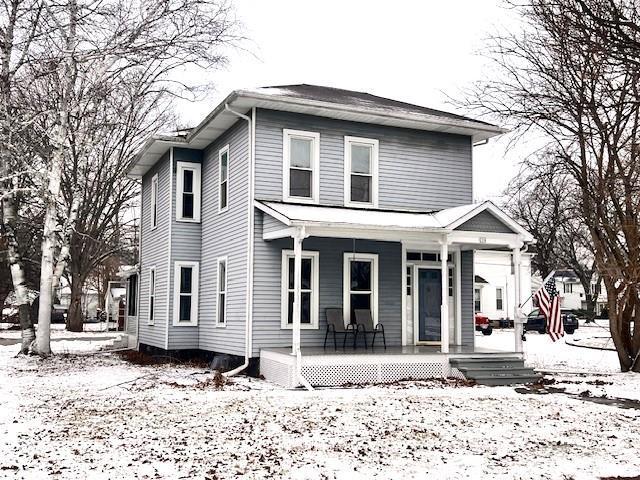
418, 52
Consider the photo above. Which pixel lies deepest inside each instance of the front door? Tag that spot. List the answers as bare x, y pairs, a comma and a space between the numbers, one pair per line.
429, 301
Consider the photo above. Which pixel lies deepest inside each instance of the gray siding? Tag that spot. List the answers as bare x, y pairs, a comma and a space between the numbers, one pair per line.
485, 222
267, 287
225, 234
186, 238
153, 253
417, 169
466, 297
270, 224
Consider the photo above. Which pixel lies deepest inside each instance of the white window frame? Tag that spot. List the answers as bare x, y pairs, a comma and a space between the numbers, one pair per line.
346, 284
500, 298
219, 292
154, 201
315, 290
152, 295
196, 168
222, 151
195, 277
374, 143
287, 134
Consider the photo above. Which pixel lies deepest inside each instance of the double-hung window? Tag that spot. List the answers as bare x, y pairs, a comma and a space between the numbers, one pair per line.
499, 298
477, 300
360, 288
188, 191
152, 296
154, 201
301, 168
309, 295
223, 176
185, 304
221, 302
360, 172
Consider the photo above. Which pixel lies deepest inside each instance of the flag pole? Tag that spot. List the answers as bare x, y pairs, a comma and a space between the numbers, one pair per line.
541, 285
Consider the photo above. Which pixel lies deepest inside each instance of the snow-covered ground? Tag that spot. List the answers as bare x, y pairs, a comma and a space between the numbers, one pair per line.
97, 416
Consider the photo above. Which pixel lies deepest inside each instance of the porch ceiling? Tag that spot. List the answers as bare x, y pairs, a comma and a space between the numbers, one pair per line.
411, 227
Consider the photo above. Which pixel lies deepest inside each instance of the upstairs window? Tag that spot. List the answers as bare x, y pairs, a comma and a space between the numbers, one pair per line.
188, 192
568, 288
361, 172
154, 201
223, 175
185, 308
301, 154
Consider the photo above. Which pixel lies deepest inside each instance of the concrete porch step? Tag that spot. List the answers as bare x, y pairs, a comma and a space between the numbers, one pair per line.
495, 370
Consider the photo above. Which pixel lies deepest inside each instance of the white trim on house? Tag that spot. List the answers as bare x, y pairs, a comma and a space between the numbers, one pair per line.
373, 144
196, 168
169, 249
194, 294
287, 135
221, 152
222, 261
154, 202
151, 295
346, 284
497, 212
404, 332
457, 272
285, 290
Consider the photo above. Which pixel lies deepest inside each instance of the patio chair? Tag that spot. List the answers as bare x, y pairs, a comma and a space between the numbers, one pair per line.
335, 325
364, 323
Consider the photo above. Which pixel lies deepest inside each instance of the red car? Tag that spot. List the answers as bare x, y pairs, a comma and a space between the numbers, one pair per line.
483, 324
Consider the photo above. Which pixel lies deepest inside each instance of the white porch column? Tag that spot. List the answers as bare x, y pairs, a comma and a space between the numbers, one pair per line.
517, 313
444, 307
297, 285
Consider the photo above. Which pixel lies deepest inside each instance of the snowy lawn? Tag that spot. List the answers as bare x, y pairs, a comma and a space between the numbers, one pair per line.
73, 416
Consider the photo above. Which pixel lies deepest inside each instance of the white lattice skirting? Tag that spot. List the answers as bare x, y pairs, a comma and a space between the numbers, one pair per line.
334, 370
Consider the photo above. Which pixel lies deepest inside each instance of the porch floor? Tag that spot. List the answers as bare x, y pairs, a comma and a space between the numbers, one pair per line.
397, 350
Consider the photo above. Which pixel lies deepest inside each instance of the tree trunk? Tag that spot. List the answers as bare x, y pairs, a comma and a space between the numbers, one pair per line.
9, 218
75, 317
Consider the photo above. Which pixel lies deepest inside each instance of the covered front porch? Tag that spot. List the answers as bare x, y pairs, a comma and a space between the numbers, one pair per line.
412, 270
328, 367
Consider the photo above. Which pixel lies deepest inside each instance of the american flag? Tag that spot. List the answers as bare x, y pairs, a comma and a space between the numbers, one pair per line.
549, 303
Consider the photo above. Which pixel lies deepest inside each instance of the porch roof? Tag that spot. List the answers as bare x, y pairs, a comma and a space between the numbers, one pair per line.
320, 220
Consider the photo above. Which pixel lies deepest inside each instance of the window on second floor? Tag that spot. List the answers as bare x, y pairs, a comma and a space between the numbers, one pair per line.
154, 201
301, 166
223, 176
188, 192
568, 288
361, 171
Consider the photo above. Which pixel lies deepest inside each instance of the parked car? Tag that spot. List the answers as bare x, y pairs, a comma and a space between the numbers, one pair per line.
483, 324
537, 322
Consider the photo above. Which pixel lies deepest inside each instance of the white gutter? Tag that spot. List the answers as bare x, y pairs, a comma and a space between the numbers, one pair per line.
250, 240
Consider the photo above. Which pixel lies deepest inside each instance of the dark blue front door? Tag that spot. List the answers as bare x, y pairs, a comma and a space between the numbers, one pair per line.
429, 300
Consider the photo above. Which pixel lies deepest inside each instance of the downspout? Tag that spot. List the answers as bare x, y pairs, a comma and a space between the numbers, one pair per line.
250, 240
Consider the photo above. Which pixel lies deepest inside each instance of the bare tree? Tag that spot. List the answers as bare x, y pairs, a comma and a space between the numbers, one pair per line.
545, 201
106, 77
570, 77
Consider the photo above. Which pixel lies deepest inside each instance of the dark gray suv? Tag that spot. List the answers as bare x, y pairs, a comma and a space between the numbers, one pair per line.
538, 323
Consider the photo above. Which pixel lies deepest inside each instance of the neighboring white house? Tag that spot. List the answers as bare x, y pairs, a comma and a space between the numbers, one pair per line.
89, 300
494, 289
572, 295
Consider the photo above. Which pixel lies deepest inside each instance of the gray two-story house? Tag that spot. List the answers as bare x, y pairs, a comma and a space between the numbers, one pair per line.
368, 200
